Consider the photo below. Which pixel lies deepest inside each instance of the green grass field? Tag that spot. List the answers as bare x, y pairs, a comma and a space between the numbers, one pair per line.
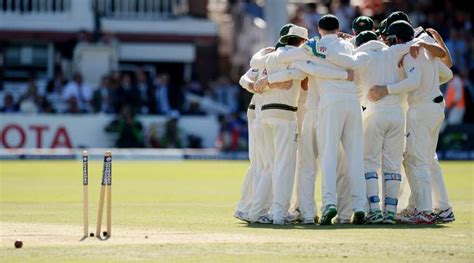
182, 211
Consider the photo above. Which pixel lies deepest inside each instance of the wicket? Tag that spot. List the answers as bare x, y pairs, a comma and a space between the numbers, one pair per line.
106, 188
85, 190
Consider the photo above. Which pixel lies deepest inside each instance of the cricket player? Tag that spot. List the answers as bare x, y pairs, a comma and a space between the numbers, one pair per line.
383, 121
443, 209
258, 163
424, 117
340, 121
280, 127
303, 59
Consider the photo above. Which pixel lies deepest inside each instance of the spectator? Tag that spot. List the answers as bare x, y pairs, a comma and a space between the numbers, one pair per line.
162, 94
298, 18
226, 93
344, 11
9, 105
455, 104
29, 101
173, 135
311, 18
129, 92
229, 133
129, 130
56, 85
458, 49
146, 93
105, 98
77, 95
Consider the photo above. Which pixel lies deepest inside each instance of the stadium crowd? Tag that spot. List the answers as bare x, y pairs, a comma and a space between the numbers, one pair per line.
145, 93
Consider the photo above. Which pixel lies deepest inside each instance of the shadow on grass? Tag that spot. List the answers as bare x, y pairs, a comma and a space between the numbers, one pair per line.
340, 226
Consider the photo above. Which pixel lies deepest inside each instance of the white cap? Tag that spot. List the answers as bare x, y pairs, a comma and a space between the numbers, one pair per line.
295, 31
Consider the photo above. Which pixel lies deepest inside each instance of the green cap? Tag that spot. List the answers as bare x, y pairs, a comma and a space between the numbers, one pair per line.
362, 23
400, 29
364, 37
381, 28
285, 29
396, 16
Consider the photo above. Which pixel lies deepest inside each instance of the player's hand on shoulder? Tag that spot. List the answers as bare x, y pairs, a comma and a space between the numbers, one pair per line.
415, 50
344, 35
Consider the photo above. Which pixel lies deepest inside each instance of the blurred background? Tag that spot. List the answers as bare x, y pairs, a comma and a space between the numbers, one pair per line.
164, 73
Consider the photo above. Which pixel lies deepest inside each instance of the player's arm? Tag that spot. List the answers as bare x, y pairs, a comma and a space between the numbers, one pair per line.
353, 62
247, 80
286, 75
292, 55
434, 49
445, 74
322, 72
447, 60
258, 59
282, 79
411, 82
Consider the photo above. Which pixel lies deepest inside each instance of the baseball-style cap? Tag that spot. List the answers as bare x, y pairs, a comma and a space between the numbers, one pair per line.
397, 16
381, 28
401, 29
364, 37
294, 31
362, 23
328, 22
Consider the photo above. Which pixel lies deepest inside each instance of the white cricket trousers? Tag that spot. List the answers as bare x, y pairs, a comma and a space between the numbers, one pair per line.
281, 150
247, 191
308, 171
384, 142
424, 121
340, 120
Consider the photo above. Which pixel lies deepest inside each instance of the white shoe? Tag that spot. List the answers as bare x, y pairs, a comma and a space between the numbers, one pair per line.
242, 216
342, 221
405, 214
266, 219
444, 216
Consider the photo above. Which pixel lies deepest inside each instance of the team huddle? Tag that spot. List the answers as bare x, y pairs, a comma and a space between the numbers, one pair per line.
358, 107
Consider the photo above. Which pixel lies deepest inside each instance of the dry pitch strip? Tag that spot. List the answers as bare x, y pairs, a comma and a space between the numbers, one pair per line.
105, 193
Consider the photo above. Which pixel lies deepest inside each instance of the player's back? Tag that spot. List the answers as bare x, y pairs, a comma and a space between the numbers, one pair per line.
381, 69
429, 84
331, 45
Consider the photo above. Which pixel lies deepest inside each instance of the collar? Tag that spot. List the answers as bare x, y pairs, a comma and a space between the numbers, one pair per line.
329, 36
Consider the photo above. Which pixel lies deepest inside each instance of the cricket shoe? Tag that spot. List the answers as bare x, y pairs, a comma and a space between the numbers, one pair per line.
423, 218
330, 211
287, 220
342, 221
241, 216
358, 218
405, 216
266, 219
444, 216
389, 218
375, 217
